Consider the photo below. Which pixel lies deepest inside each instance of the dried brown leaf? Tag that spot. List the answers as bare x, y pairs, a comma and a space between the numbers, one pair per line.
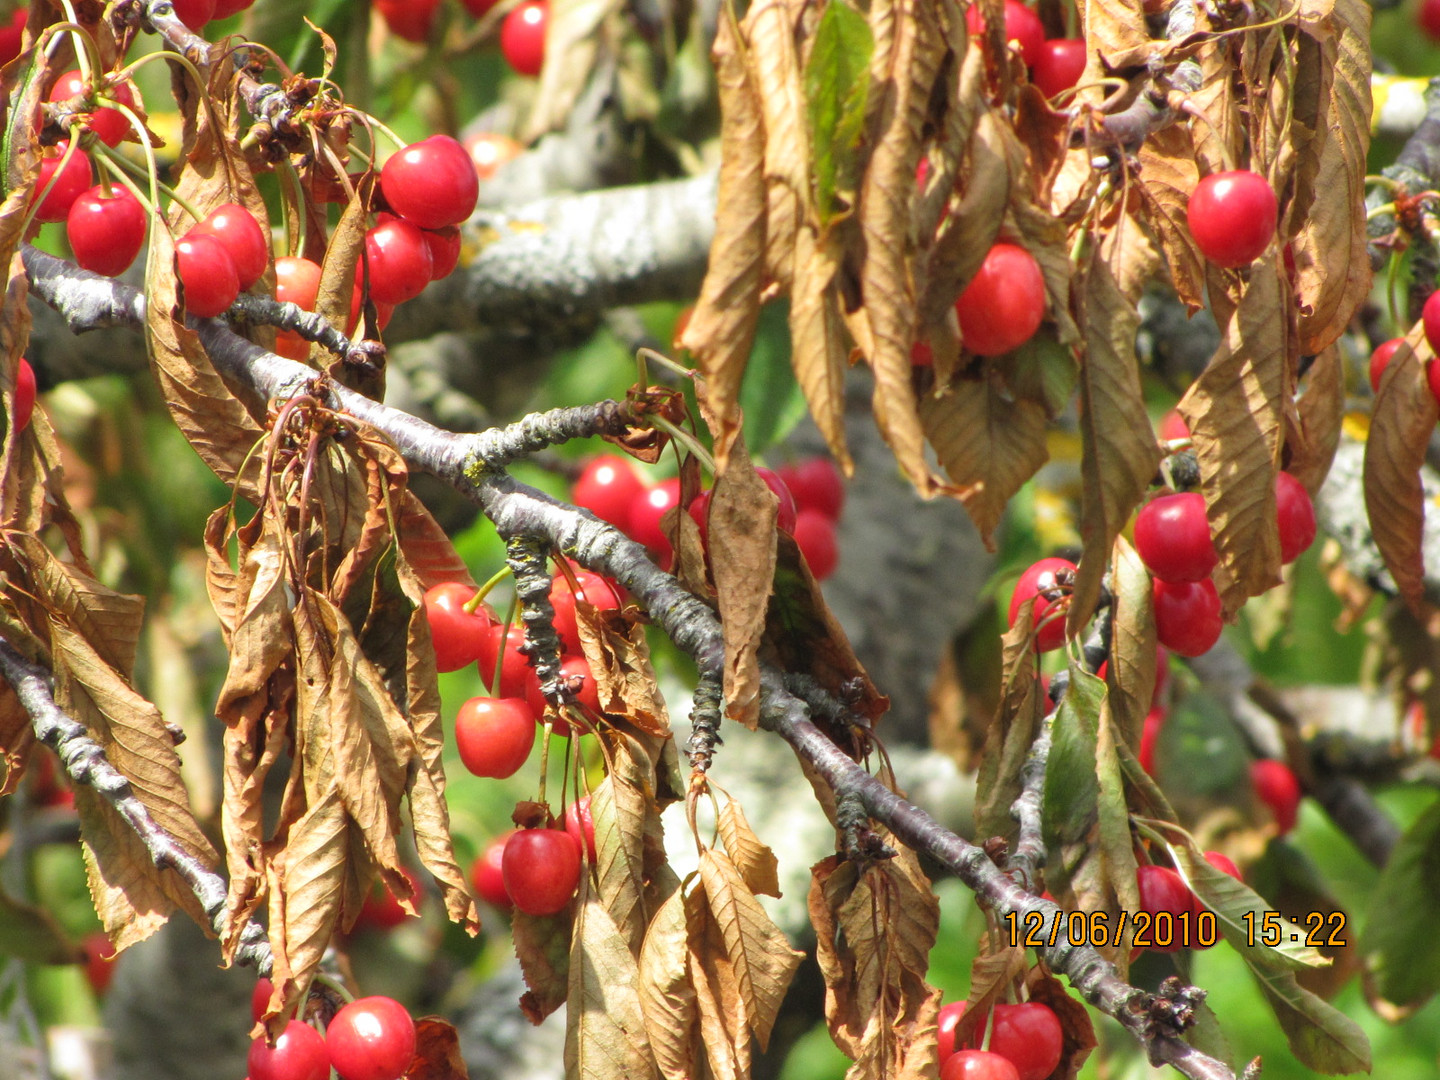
110, 622
819, 353
755, 861
742, 558
992, 973
427, 547
1322, 413
542, 945
605, 1037
720, 1010
1400, 425
721, 330
621, 809
667, 997
1130, 675
1168, 175
308, 890
619, 659
1116, 30
1119, 454
1011, 732
437, 1052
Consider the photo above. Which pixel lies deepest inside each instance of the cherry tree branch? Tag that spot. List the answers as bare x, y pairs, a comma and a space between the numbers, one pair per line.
473, 464
85, 762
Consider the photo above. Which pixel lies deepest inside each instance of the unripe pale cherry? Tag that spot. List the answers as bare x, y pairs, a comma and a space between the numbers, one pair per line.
1172, 537
1004, 303
1232, 217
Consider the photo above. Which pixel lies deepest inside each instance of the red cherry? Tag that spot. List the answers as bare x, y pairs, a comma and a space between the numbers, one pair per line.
608, 488
541, 868
488, 150
1059, 65
1172, 537
194, 13
1029, 1037
977, 1064
1278, 789
1022, 26
444, 245
1430, 316
514, 668
207, 273
399, 261
431, 183
1149, 737
69, 185
580, 826
99, 961
24, 394
1380, 360
478, 8
522, 37
1223, 863
643, 524
460, 637
785, 515
381, 909
1172, 427
1232, 217
1043, 576
485, 874
494, 736
109, 125
372, 1038
297, 281
409, 19
106, 232
1187, 616
298, 1054
593, 589
816, 484
12, 36
1004, 303
1296, 515
949, 1016
225, 8
1428, 18
260, 997
815, 535
1163, 891
241, 235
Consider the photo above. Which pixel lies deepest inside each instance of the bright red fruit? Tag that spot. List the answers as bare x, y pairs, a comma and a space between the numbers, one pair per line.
409, 19
381, 909
1022, 26
572, 666
489, 150
977, 1065
514, 669
816, 484
494, 735
444, 245
1172, 426
106, 232
24, 394
1380, 360
1043, 576
1149, 737
109, 125
194, 13
460, 637
1296, 515
12, 36
580, 826
949, 1016
372, 1038
225, 8
431, 183
1428, 17
399, 261
1278, 789
485, 875
815, 534
1004, 303
260, 997
1172, 537
99, 960
298, 1054
1187, 616
1223, 863
1232, 217
69, 185
785, 515
1059, 65
241, 235
207, 273
608, 487
1430, 316
478, 7
541, 868
643, 524
593, 589
522, 37
297, 281
1163, 891
1029, 1037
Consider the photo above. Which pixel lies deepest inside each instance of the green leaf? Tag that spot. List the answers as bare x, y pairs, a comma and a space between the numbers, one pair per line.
31, 934
1320, 1036
837, 82
1043, 370
769, 396
1072, 789
1400, 942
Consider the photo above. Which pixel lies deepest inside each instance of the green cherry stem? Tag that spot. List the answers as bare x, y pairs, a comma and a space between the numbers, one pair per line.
473, 604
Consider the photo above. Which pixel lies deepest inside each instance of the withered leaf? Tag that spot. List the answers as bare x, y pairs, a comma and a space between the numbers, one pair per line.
621, 808
1400, 426
542, 945
992, 973
1078, 1033
1321, 411
573, 35
1168, 175
308, 889
1130, 674
619, 659
1022, 707
755, 861
817, 334
437, 1052
605, 1037
720, 1010
667, 997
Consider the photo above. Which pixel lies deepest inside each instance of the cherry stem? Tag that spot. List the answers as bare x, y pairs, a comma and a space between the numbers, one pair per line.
87, 55
473, 604
385, 130
113, 165
664, 361
341, 990
493, 687
545, 766
685, 439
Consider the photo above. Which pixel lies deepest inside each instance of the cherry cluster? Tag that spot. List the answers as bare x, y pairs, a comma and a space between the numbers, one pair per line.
1025, 1043
522, 34
1055, 64
811, 494
536, 870
371, 1038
